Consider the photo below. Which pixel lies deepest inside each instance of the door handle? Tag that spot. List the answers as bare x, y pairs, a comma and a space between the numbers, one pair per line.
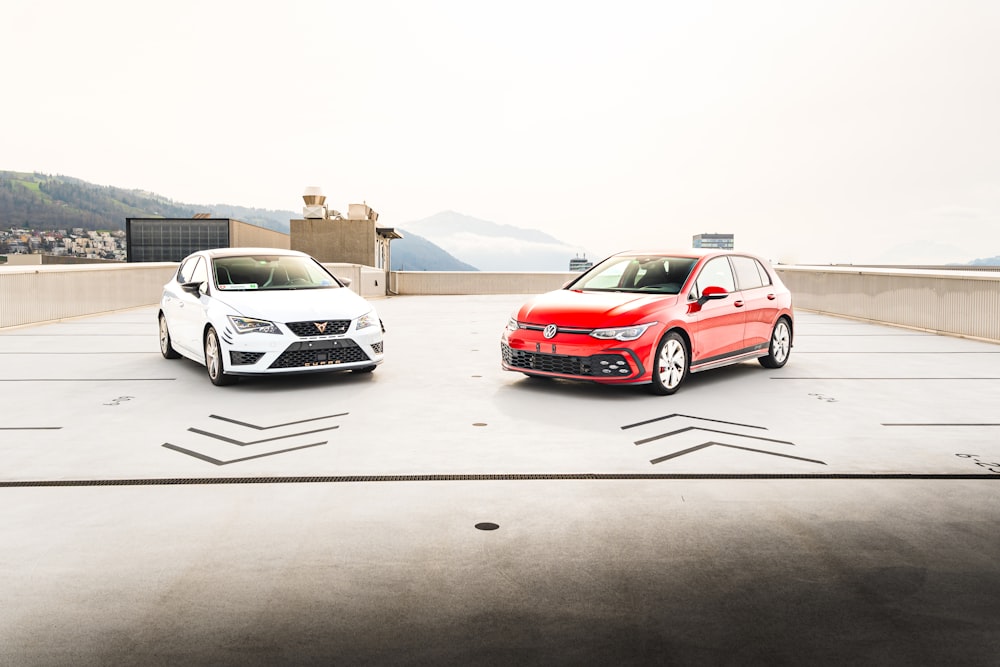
738, 304
771, 297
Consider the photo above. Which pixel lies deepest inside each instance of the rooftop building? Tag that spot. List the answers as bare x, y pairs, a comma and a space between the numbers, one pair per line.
723, 241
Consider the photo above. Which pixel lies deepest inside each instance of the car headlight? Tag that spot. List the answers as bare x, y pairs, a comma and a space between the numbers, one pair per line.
369, 319
250, 325
512, 324
621, 333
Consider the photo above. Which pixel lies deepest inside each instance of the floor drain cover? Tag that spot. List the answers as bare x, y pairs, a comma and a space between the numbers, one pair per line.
487, 526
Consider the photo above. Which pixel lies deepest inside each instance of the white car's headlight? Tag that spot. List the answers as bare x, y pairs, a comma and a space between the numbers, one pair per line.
369, 319
621, 333
250, 325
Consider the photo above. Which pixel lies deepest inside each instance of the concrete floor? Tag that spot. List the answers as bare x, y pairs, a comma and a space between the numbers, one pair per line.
846, 511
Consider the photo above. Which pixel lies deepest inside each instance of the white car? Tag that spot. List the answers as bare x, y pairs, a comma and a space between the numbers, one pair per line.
253, 311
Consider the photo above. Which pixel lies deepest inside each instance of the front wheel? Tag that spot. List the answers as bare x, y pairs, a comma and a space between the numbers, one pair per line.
670, 366
166, 346
213, 360
781, 345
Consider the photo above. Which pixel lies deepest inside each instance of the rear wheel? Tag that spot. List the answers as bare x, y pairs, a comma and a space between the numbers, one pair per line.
781, 345
166, 347
213, 360
670, 366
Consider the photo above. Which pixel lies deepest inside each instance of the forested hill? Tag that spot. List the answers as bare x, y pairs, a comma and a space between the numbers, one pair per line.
43, 201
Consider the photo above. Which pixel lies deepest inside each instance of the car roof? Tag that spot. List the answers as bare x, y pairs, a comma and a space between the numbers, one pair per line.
693, 253
240, 252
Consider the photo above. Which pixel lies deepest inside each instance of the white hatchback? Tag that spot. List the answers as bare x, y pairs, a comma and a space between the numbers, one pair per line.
255, 311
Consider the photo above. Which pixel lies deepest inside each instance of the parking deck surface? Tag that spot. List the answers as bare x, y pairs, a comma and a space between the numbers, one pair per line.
843, 509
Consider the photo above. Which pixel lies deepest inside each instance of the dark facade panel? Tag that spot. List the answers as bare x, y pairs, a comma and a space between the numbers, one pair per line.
171, 240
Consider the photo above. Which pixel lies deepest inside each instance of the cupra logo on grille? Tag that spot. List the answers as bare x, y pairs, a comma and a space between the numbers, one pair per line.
320, 326
550, 331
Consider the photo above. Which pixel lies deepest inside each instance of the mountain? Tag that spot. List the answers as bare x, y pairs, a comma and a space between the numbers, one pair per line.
50, 202
415, 253
491, 246
44, 201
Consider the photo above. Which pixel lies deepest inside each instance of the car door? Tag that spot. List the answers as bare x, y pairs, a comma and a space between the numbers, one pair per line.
719, 322
759, 299
187, 317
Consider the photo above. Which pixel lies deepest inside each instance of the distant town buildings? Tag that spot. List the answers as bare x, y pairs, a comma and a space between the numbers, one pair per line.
64, 243
723, 241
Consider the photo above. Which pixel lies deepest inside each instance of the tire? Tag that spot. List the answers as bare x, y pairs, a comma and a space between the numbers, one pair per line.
780, 347
670, 365
166, 347
214, 362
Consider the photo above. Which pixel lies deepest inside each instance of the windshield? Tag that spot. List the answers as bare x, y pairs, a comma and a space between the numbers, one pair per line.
270, 272
654, 274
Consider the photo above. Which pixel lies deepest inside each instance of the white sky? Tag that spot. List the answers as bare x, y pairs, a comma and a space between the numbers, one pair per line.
814, 130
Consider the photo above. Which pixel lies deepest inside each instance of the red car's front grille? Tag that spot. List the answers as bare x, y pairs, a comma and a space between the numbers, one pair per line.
598, 365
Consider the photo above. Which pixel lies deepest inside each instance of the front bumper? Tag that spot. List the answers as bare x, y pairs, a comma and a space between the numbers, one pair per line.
577, 357
257, 353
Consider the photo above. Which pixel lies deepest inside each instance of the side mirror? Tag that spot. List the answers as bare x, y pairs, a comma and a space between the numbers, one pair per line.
192, 288
712, 293
346, 282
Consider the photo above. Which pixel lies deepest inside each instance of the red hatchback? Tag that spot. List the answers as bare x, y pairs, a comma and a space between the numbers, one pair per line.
654, 317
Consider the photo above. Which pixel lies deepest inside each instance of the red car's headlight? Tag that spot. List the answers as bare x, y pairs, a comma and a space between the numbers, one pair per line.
621, 333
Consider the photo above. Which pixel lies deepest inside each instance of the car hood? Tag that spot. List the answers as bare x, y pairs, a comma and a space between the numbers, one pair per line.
571, 308
295, 305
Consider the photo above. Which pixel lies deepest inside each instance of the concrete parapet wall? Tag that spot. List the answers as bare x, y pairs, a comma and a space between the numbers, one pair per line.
476, 282
41, 293
367, 281
32, 294
957, 303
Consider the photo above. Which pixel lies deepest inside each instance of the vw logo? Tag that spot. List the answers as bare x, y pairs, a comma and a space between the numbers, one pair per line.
550, 331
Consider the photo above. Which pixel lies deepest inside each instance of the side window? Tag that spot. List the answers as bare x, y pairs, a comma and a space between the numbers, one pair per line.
716, 273
199, 274
186, 269
765, 275
747, 272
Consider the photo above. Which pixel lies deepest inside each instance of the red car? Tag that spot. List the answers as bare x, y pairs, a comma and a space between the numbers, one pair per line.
654, 317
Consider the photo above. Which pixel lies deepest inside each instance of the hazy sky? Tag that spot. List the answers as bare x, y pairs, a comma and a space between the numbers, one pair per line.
815, 131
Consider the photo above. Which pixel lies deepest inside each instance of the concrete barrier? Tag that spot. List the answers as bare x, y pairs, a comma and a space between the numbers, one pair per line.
953, 302
946, 301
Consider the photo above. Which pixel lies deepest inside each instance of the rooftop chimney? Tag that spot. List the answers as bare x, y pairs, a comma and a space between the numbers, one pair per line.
315, 208
314, 196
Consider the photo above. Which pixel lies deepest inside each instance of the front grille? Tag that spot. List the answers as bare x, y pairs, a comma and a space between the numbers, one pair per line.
377, 348
598, 365
311, 329
244, 358
320, 353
